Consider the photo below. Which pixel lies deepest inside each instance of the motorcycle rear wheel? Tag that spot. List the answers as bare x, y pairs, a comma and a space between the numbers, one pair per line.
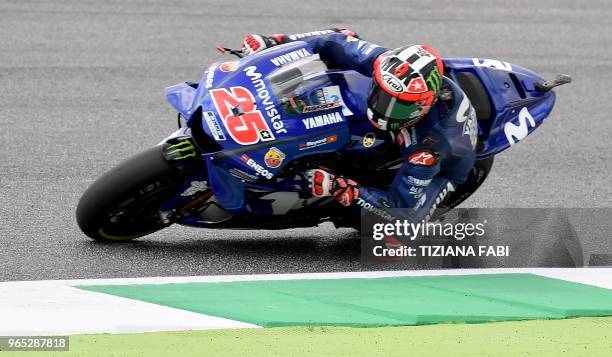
479, 173
123, 204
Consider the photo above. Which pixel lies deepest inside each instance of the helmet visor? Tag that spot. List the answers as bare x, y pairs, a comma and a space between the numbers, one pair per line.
386, 106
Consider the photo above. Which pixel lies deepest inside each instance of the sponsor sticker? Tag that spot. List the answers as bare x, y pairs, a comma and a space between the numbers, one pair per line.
210, 76
321, 107
259, 170
213, 125
416, 191
491, 63
319, 142
195, 187
266, 135
322, 120
516, 132
418, 182
422, 158
290, 57
369, 140
375, 210
434, 78
441, 196
470, 127
393, 84
229, 66
274, 158
263, 93
308, 34
332, 94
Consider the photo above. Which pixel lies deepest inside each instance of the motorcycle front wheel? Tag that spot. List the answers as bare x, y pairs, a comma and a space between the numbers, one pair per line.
123, 204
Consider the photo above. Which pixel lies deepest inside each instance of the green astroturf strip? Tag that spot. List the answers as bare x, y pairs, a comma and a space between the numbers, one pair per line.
587, 337
378, 302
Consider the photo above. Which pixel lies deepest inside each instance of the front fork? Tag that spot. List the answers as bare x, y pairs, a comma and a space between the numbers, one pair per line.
195, 203
178, 149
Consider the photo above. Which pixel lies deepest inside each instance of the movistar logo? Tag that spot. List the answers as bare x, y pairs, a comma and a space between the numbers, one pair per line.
515, 133
433, 80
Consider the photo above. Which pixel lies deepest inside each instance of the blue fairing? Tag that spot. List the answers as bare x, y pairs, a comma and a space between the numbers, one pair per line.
517, 108
288, 136
252, 110
181, 96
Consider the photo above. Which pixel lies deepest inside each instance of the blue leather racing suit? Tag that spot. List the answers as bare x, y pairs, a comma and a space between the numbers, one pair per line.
439, 150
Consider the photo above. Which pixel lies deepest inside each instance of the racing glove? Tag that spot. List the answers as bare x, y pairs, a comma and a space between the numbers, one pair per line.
255, 43
324, 184
346, 32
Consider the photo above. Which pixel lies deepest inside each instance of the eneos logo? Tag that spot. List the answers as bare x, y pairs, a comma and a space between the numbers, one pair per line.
259, 170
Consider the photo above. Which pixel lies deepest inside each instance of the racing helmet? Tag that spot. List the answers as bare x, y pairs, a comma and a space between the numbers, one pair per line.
406, 84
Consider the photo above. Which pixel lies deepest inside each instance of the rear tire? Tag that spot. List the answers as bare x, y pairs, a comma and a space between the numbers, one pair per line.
479, 173
123, 204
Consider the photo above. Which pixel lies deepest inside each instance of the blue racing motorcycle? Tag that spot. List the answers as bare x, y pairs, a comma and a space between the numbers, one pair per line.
251, 127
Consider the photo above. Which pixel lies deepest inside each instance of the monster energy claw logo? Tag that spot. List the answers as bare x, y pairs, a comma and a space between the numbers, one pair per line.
433, 80
180, 150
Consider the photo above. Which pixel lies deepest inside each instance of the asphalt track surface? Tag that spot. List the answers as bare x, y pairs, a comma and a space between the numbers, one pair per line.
81, 88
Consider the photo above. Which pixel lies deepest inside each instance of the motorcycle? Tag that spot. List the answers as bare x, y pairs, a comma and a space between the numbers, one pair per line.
250, 128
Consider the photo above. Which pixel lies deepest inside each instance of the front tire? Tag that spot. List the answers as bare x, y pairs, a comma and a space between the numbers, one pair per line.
123, 204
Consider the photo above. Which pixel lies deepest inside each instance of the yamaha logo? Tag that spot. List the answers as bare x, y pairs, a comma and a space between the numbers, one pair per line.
392, 83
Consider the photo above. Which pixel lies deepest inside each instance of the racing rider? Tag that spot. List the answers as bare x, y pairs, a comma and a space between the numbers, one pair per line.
427, 114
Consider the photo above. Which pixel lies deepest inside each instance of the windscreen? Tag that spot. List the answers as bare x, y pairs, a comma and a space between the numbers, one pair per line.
299, 87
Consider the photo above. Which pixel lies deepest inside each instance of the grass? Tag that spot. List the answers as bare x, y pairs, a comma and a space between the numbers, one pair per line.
568, 337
